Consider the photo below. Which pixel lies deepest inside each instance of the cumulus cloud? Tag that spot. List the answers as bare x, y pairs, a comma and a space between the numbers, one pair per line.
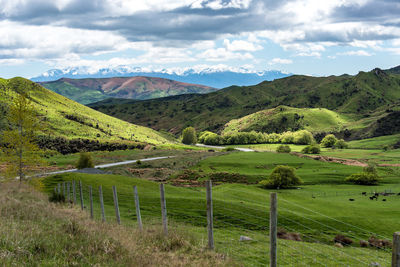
223, 54
355, 53
280, 61
161, 29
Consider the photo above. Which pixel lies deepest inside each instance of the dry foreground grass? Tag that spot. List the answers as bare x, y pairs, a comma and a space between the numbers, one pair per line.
35, 232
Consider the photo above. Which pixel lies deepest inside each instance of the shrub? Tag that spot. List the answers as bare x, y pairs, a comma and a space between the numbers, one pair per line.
303, 137
281, 177
287, 138
311, 149
283, 149
204, 135
228, 149
213, 139
341, 144
85, 161
328, 141
371, 168
189, 136
363, 178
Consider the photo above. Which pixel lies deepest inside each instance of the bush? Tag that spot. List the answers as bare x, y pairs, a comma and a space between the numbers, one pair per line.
287, 138
204, 135
282, 177
227, 149
341, 144
311, 149
364, 178
283, 149
213, 139
85, 161
371, 168
303, 137
328, 141
189, 136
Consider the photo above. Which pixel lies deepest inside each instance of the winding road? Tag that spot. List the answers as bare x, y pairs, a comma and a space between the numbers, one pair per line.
108, 165
222, 147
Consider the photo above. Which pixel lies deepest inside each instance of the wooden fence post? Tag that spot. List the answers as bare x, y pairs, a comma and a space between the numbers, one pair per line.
59, 188
68, 192
64, 189
103, 215
210, 215
74, 191
273, 222
116, 204
91, 202
55, 189
396, 250
163, 209
137, 205
81, 193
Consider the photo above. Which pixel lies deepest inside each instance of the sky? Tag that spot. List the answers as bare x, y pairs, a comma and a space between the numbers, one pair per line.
312, 37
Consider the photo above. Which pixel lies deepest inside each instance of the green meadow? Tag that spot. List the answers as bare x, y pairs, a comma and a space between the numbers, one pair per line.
318, 210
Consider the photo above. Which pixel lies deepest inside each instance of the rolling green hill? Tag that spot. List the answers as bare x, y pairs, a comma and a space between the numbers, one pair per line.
91, 89
360, 95
282, 118
62, 117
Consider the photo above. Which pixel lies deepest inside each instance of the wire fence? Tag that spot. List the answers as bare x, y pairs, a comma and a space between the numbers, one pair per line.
242, 230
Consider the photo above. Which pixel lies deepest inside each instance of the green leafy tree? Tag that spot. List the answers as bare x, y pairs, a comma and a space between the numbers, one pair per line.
364, 178
328, 141
18, 140
341, 144
311, 149
281, 177
189, 136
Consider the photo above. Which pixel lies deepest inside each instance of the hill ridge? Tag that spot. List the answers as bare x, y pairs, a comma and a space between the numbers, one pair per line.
88, 90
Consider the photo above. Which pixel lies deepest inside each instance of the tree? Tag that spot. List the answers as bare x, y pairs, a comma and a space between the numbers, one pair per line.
281, 177
328, 141
189, 136
18, 140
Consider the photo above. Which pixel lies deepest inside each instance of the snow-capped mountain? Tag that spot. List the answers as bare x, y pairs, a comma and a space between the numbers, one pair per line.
215, 76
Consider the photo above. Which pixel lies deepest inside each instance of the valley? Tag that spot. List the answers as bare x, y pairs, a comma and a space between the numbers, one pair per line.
361, 109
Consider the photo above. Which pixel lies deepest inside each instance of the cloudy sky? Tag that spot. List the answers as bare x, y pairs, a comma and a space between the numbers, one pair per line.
299, 36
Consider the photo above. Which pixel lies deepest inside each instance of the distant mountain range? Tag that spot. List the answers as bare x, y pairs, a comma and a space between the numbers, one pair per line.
216, 77
91, 90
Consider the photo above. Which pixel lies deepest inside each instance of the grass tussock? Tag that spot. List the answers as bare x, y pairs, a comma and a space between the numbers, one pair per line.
34, 232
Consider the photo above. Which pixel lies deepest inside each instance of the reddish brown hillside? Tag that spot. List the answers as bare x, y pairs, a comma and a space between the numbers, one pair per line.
123, 87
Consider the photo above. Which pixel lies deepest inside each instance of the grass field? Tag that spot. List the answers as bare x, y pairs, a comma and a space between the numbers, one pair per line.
242, 210
284, 118
35, 232
368, 154
319, 210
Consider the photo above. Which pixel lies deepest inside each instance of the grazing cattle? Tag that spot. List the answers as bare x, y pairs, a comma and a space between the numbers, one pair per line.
364, 193
351, 199
372, 198
384, 199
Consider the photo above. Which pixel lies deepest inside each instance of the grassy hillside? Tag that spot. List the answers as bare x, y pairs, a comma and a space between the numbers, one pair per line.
35, 232
282, 118
91, 90
243, 210
360, 95
62, 117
